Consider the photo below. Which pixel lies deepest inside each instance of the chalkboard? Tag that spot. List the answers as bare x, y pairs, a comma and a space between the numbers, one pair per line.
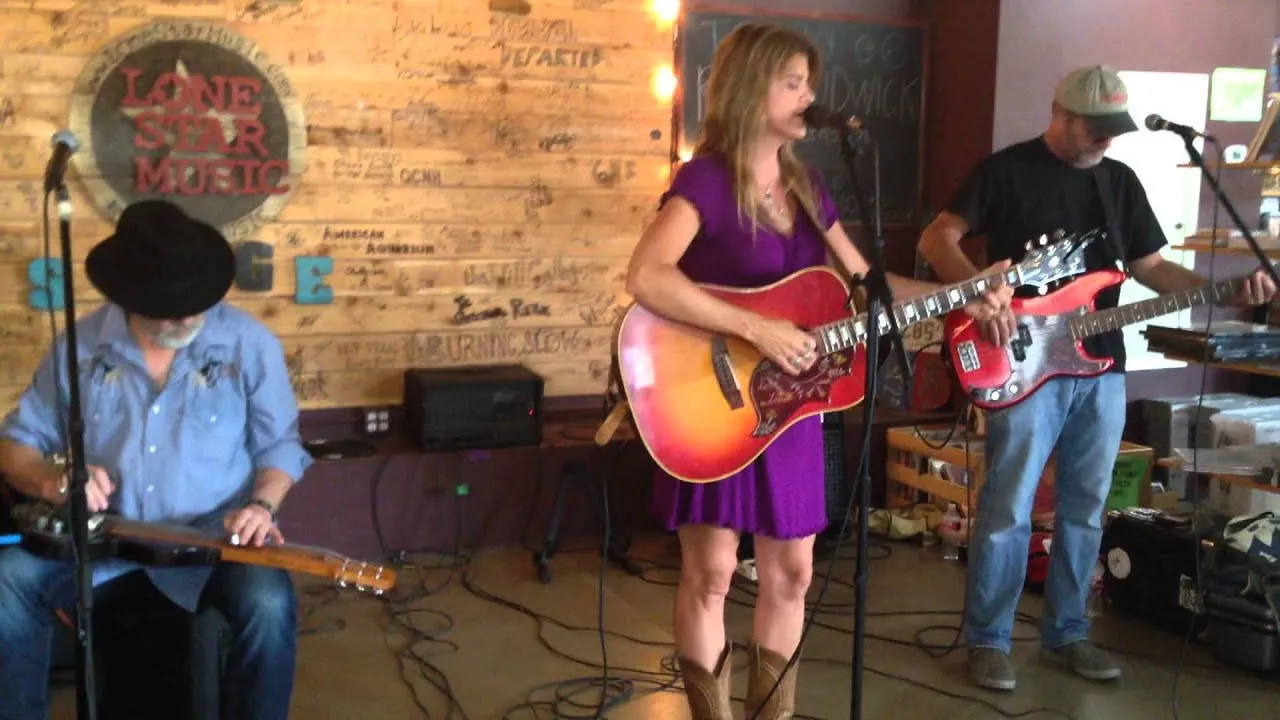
873, 69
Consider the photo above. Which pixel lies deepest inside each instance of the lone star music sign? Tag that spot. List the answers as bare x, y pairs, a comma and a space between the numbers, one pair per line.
192, 112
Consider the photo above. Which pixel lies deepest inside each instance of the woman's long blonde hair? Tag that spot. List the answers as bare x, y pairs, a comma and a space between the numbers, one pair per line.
743, 69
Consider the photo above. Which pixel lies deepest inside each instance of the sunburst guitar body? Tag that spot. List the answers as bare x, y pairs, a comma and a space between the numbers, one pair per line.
705, 405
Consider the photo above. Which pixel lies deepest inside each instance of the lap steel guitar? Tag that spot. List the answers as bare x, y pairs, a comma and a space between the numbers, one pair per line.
45, 532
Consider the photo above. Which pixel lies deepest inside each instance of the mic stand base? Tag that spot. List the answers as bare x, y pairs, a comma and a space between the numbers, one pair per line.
86, 685
1198, 161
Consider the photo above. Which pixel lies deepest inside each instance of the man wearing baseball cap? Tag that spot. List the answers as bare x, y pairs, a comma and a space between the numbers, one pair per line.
1098, 96
1059, 181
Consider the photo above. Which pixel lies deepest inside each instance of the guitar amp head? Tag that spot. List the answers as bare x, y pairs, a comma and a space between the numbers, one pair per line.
473, 408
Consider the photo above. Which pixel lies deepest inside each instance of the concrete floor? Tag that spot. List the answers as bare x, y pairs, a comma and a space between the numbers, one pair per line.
356, 655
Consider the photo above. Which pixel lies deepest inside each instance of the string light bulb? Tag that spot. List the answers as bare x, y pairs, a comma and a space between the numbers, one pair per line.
667, 11
664, 82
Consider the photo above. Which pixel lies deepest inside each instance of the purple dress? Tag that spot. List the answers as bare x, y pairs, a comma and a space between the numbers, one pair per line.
780, 495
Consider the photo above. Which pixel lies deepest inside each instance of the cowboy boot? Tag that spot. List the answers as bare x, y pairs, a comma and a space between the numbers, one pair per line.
708, 691
764, 667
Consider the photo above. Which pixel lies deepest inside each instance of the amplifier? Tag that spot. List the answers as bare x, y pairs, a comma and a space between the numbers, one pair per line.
473, 408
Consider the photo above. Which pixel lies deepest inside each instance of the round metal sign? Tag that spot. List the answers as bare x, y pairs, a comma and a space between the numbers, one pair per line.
192, 112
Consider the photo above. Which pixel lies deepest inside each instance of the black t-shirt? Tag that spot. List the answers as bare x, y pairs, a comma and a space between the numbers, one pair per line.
1025, 191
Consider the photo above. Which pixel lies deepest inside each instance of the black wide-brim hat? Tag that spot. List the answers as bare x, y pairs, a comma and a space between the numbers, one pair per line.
161, 263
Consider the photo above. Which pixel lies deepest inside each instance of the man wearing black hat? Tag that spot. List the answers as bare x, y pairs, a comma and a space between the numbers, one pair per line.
1059, 180
190, 419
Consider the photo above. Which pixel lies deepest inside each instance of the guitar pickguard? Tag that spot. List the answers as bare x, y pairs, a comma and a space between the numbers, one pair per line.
777, 395
1042, 348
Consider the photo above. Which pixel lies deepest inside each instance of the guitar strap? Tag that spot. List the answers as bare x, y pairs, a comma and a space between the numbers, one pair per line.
1109, 214
615, 403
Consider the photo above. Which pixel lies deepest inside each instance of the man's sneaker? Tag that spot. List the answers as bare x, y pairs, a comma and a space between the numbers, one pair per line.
1085, 660
990, 668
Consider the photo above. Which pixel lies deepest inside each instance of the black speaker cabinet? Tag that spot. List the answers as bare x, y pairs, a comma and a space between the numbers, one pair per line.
473, 408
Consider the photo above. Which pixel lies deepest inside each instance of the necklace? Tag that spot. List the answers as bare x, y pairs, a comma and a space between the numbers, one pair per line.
778, 210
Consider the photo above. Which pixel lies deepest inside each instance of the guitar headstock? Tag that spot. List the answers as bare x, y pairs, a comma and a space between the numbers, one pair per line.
1047, 262
363, 576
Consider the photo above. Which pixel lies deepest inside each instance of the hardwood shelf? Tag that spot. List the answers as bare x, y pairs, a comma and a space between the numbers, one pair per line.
1273, 166
1268, 369
1247, 481
1190, 245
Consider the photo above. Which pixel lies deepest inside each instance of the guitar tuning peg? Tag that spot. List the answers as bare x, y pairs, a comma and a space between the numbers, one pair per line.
1044, 240
1028, 245
1042, 290
1059, 234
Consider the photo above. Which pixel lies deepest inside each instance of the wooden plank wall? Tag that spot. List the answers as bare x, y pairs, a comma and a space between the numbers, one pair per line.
478, 175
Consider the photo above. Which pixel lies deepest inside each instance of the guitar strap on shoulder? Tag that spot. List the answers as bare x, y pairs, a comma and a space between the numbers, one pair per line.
1109, 214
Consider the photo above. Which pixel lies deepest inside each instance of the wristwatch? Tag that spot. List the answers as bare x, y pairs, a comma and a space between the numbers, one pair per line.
265, 506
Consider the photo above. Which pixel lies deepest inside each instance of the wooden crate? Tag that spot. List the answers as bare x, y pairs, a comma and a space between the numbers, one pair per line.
914, 466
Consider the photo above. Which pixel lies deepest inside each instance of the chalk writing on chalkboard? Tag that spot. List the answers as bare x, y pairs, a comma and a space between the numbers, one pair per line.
871, 69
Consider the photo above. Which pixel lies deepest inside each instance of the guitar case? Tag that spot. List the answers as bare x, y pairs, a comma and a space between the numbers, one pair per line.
1150, 567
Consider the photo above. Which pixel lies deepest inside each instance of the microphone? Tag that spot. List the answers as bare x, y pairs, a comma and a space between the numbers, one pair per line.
64, 146
819, 116
1155, 122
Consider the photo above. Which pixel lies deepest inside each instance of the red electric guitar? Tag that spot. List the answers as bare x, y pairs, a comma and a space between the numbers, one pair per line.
1049, 338
706, 405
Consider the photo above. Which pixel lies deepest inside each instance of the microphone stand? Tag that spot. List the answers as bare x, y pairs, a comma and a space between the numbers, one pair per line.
879, 299
1198, 160
86, 697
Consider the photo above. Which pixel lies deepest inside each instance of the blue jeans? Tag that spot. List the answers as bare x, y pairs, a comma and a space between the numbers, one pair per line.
1084, 418
258, 603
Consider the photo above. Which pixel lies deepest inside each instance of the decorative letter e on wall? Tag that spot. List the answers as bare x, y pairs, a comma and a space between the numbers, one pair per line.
312, 289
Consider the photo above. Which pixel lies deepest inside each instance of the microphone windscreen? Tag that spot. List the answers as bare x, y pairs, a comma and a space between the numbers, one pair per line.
819, 116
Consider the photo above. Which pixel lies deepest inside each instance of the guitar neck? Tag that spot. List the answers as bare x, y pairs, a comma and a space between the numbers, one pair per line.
849, 332
181, 535
295, 558
1100, 321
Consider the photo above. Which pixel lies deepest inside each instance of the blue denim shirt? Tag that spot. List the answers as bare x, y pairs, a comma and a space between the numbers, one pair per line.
185, 454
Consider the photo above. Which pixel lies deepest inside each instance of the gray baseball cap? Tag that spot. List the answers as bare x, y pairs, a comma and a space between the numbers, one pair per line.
1097, 94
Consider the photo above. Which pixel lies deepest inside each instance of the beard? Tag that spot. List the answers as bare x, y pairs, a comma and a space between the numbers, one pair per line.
176, 339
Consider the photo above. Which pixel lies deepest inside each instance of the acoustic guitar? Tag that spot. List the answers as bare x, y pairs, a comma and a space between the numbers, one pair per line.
44, 531
706, 405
